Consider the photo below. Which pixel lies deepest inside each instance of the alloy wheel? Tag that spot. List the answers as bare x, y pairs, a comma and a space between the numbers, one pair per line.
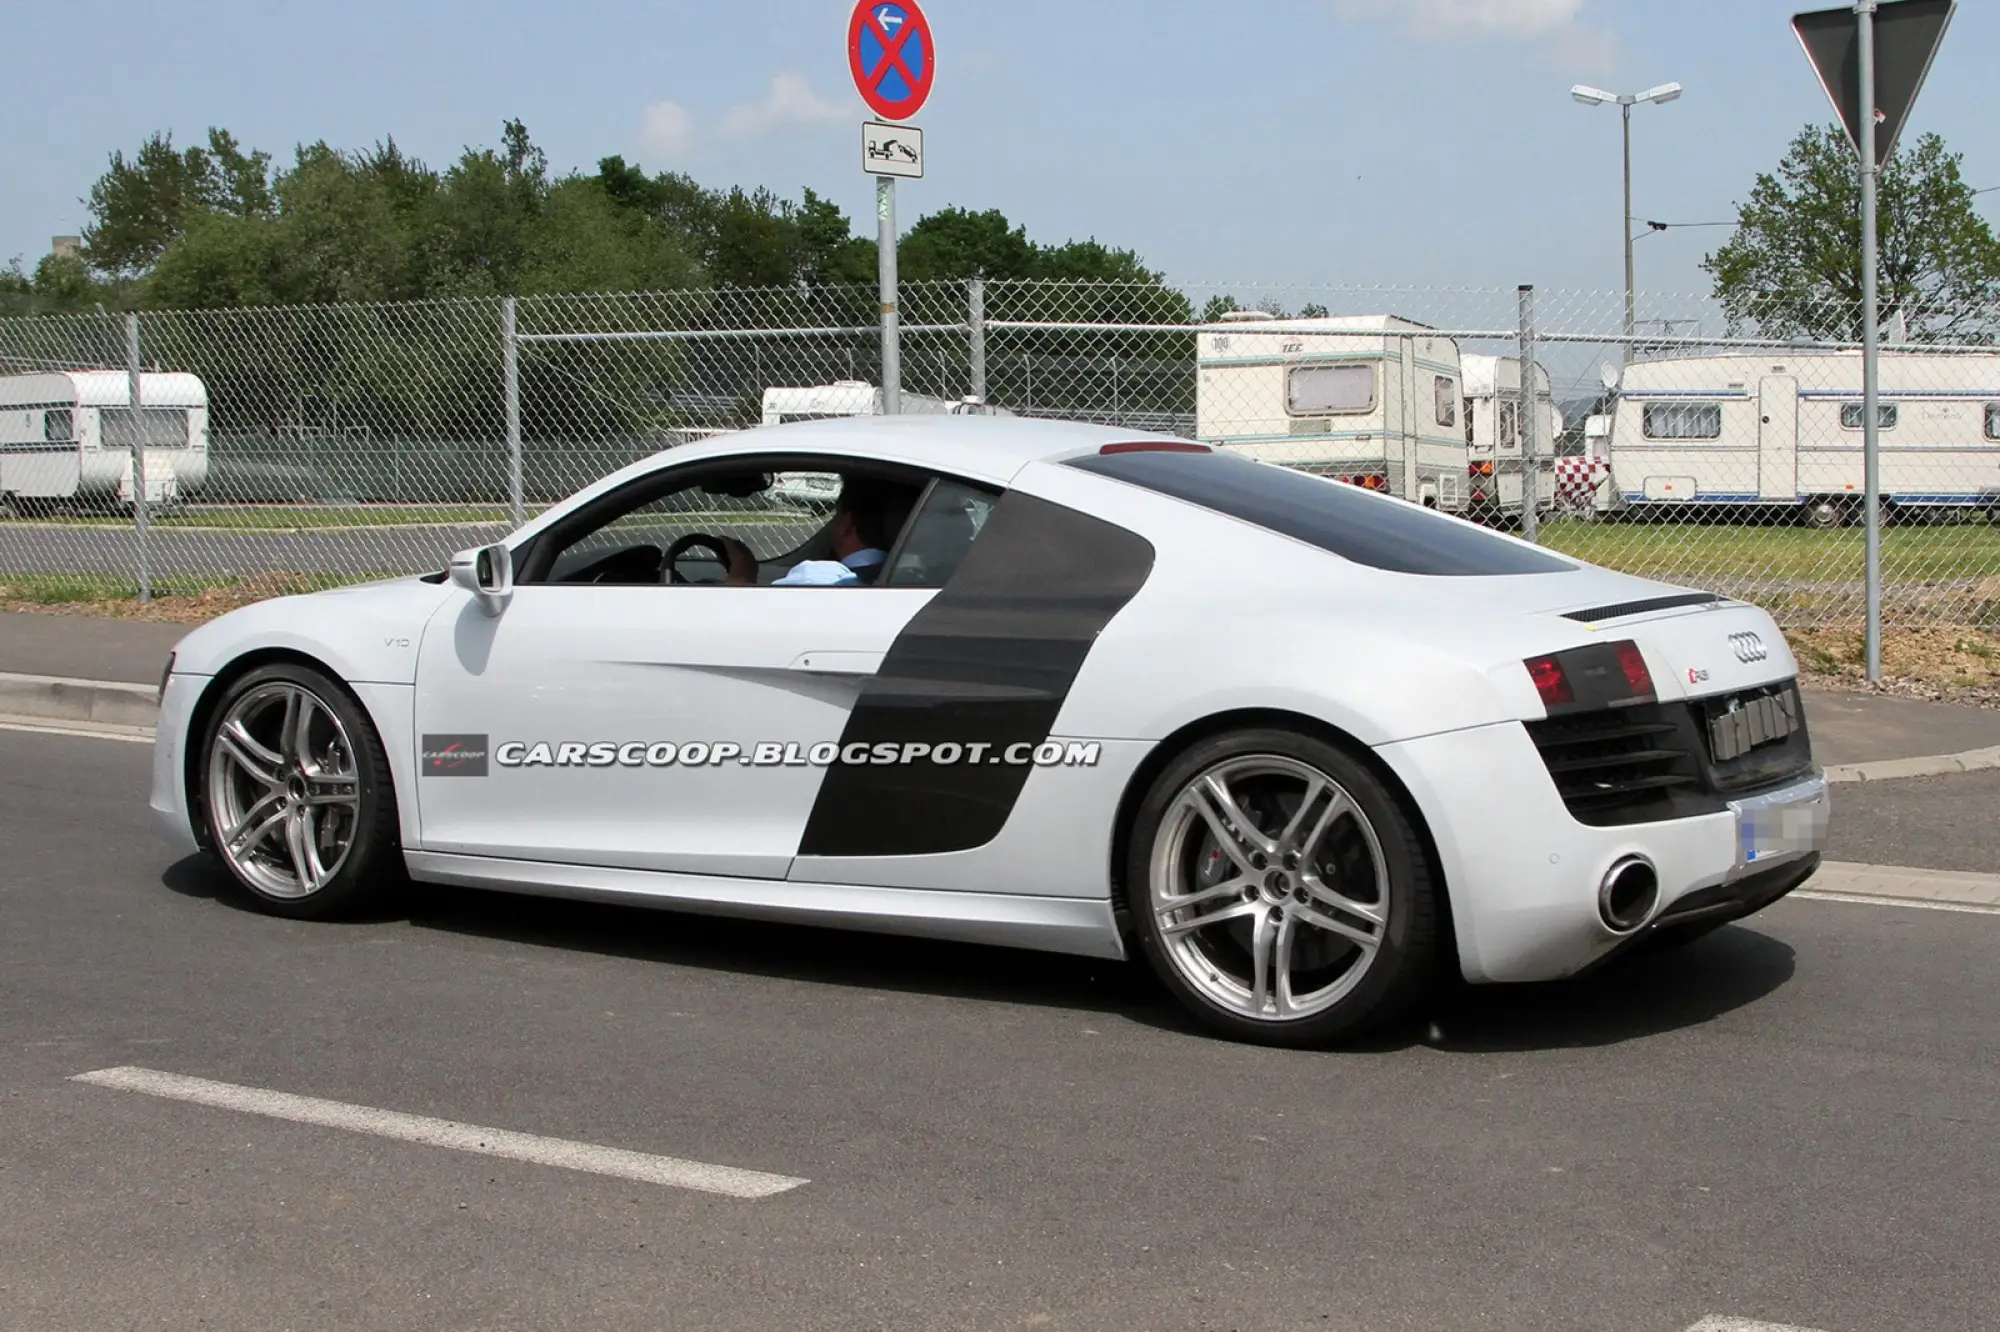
283, 791
1269, 888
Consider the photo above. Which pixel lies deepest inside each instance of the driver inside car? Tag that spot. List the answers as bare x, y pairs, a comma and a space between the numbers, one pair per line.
865, 521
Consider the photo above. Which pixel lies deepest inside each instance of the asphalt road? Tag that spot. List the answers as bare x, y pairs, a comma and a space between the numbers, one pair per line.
1792, 1121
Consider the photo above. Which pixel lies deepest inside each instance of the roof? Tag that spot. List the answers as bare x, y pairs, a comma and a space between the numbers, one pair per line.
1378, 323
105, 388
981, 448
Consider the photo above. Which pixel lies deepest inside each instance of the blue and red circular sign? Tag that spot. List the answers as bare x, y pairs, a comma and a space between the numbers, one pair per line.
890, 52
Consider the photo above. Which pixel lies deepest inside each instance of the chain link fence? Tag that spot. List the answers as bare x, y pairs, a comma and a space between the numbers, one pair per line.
353, 441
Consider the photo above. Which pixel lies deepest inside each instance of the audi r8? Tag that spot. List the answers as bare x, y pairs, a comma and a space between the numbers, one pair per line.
1292, 742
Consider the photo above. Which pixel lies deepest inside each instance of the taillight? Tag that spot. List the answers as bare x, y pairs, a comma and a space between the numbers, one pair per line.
1603, 675
1479, 469
1550, 682
1634, 664
1369, 481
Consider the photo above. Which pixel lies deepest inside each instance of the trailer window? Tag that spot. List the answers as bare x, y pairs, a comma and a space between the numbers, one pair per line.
1507, 429
1316, 390
159, 427
1851, 415
1683, 420
58, 425
1447, 399
1993, 420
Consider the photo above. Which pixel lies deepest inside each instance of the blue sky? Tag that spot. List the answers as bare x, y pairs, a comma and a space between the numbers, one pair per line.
1340, 142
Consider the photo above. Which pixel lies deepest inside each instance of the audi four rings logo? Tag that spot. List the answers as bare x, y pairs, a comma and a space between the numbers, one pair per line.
1748, 647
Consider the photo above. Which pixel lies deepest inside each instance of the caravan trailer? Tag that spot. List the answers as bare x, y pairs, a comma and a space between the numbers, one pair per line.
1372, 400
1493, 431
69, 435
1782, 432
854, 397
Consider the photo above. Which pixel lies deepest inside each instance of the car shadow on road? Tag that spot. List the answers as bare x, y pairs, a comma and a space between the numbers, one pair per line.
1651, 992
1647, 994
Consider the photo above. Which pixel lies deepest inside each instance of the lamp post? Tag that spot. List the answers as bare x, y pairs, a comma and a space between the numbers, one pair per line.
1589, 96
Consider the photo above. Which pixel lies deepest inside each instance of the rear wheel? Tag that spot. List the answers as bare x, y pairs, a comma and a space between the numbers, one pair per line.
299, 802
1826, 515
1279, 891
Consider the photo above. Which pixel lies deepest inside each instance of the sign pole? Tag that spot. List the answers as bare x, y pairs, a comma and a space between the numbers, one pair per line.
1871, 340
892, 336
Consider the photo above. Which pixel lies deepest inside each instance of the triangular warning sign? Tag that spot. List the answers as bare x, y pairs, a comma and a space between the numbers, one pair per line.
1907, 36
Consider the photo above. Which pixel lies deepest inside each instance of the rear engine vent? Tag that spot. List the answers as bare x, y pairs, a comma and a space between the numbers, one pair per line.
1622, 765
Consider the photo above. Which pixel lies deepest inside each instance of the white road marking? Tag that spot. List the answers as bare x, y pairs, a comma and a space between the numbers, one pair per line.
1714, 1323
1864, 899
530, 1147
130, 735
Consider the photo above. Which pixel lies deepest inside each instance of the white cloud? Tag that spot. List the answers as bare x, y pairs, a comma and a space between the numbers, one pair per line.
1557, 25
666, 131
790, 104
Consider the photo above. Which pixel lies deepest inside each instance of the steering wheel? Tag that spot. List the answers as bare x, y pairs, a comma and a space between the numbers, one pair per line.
693, 541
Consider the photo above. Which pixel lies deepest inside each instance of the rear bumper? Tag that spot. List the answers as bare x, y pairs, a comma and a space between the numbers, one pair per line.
1523, 874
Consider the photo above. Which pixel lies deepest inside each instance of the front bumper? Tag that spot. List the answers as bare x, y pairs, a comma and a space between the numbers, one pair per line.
169, 795
1523, 874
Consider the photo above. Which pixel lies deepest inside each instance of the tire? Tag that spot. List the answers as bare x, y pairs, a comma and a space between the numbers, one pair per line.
1272, 894
1825, 515
307, 830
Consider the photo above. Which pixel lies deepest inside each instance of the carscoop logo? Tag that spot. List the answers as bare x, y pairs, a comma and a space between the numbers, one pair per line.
454, 756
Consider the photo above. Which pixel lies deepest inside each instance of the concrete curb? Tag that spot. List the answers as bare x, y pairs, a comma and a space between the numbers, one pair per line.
1933, 765
106, 702
1837, 881
55, 698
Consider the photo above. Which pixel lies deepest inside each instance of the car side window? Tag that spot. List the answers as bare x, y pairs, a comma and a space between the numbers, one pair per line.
629, 544
941, 534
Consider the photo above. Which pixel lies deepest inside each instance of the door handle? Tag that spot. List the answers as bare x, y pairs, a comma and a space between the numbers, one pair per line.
838, 663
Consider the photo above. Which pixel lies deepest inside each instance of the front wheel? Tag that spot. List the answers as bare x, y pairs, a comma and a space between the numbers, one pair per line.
1279, 890
299, 802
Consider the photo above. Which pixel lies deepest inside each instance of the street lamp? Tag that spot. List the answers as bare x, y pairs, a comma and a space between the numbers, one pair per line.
1589, 96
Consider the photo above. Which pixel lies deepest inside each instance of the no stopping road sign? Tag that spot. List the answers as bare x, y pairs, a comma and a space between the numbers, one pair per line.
892, 57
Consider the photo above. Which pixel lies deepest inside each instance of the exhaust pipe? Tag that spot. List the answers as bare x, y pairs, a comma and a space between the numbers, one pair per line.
1630, 891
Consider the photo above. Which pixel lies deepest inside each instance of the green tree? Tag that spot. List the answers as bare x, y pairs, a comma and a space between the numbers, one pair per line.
1794, 266
957, 243
141, 205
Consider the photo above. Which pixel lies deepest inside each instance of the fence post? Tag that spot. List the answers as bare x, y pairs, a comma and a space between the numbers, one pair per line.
138, 454
975, 322
885, 269
511, 357
1530, 417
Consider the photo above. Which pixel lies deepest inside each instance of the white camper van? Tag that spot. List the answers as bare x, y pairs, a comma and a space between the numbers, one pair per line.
1494, 434
1372, 400
1783, 431
854, 397
69, 435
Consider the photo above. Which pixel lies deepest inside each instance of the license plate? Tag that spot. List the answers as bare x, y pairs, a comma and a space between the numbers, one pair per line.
1786, 823
1756, 722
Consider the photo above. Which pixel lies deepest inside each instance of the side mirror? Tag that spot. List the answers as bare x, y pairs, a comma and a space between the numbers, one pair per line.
487, 572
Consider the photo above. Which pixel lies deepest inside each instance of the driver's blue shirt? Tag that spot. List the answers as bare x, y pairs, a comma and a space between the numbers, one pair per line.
832, 573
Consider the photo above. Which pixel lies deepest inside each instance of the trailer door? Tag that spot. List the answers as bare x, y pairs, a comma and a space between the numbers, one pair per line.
1778, 438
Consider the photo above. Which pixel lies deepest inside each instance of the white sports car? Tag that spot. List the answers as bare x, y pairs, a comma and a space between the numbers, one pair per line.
1098, 693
